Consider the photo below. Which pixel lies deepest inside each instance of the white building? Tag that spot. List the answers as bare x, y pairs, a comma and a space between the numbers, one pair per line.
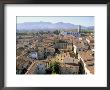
74, 32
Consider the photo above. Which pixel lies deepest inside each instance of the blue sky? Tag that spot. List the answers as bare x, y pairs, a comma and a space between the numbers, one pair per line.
77, 20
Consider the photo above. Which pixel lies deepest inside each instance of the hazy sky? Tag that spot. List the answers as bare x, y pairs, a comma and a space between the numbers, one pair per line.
77, 20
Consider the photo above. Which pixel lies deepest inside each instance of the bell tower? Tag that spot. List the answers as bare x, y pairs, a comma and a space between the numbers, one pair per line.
79, 27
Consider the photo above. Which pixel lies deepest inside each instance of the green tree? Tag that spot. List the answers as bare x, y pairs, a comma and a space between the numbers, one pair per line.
57, 32
54, 66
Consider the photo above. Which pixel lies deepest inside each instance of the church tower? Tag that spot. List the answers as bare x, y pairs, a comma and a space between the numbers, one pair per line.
79, 28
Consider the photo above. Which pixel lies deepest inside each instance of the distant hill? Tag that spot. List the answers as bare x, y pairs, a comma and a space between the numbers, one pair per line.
47, 26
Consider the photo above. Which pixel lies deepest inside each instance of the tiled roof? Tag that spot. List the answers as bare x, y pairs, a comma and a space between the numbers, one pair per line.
86, 55
91, 69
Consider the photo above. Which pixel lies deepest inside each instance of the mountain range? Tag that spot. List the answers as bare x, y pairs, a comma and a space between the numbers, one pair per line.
47, 26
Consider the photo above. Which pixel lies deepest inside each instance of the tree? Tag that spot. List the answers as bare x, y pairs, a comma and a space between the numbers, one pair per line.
57, 32
54, 67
